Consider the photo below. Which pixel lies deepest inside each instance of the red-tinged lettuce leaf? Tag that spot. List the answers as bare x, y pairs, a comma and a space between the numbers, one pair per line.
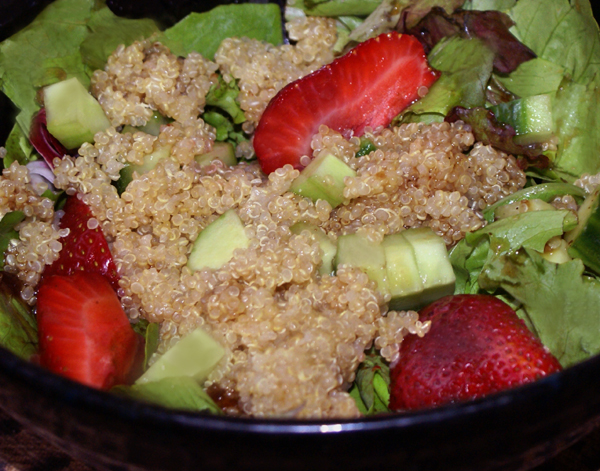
492, 27
45, 143
18, 328
488, 130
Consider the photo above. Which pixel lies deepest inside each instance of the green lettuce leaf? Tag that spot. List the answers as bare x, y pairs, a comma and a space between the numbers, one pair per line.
203, 32
17, 148
563, 32
18, 328
44, 53
337, 7
175, 393
8, 232
107, 32
467, 66
371, 387
577, 117
558, 300
535, 77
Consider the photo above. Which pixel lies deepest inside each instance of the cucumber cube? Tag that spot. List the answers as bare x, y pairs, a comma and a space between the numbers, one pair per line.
195, 355
359, 252
531, 118
73, 115
328, 248
215, 245
323, 179
403, 276
150, 161
223, 151
434, 265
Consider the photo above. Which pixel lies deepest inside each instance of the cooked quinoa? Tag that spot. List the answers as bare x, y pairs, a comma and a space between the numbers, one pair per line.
293, 338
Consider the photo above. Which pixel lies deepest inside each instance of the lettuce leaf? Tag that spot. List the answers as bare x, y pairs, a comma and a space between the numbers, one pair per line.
559, 301
175, 393
467, 66
203, 32
371, 387
18, 328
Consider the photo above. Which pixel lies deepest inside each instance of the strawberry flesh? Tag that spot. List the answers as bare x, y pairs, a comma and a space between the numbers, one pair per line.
84, 334
83, 249
367, 87
476, 346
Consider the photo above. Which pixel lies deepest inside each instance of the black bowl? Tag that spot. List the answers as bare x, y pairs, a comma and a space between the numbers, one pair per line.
513, 430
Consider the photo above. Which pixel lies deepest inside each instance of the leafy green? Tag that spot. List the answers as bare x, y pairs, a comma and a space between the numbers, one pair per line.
531, 230
203, 32
563, 32
534, 77
337, 7
43, 53
543, 191
577, 119
483, 5
224, 95
8, 232
107, 32
371, 387
175, 393
467, 66
18, 329
150, 331
68, 39
18, 148
559, 301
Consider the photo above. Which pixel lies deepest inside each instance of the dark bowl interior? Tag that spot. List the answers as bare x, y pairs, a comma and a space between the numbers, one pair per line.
513, 430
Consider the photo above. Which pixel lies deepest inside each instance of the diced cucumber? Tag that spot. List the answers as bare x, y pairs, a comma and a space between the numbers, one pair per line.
328, 248
195, 355
150, 162
403, 276
215, 245
73, 116
358, 251
434, 265
151, 127
531, 118
223, 151
584, 240
323, 179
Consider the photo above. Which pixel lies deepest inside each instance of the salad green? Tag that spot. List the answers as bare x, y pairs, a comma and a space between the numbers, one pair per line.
559, 302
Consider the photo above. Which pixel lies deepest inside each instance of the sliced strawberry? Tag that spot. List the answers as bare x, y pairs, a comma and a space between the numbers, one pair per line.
368, 86
83, 249
84, 333
476, 346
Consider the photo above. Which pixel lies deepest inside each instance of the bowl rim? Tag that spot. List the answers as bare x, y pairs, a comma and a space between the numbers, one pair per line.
82, 396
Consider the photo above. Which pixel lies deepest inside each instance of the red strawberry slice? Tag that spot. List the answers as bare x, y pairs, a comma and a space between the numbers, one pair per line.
84, 333
368, 86
476, 346
83, 249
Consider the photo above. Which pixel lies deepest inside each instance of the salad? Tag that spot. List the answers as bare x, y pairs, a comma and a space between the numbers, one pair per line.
380, 206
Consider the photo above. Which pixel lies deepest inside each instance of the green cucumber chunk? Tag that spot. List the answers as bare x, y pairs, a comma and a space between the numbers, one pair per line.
584, 240
152, 127
73, 116
323, 179
224, 151
403, 276
358, 251
328, 248
150, 162
195, 355
215, 245
433, 262
531, 118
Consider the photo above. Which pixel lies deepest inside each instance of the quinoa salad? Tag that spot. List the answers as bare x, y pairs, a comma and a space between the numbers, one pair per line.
293, 337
